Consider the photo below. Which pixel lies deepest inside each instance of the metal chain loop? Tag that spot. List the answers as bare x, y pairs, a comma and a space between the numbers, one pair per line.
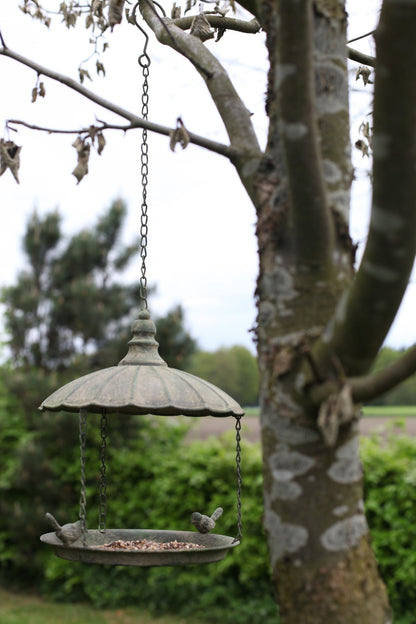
144, 62
83, 495
103, 476
239, 479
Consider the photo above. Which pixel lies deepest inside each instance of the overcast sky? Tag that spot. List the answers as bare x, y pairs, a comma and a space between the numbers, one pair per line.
202, 247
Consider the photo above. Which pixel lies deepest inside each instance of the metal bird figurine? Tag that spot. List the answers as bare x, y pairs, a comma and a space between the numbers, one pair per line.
68, 533
205, 524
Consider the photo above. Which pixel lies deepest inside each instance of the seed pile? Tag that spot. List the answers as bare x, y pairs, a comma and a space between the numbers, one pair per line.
145, 544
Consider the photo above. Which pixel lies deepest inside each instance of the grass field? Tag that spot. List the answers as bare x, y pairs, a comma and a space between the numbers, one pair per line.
28, 609
382, 411
390, 411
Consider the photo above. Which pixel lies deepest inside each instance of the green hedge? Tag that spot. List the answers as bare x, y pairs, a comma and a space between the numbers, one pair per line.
390, 495
160, 490
155, 480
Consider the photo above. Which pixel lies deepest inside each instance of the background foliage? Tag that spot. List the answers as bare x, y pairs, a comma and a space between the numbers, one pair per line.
160, 489
404, 393
233, 369
58, 329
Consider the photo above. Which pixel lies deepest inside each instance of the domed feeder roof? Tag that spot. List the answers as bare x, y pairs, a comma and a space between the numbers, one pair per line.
142, 383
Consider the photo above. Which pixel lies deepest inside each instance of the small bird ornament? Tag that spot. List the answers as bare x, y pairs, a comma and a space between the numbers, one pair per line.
205, 524
68, 533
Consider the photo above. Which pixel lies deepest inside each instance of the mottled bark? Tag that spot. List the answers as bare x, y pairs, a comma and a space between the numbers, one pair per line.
323, 567
366, 312
319, 327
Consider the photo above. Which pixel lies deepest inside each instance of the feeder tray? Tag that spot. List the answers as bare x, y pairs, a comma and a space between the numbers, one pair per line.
214, 547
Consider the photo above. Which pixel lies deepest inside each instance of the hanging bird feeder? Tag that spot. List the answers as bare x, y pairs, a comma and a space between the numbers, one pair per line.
142, 383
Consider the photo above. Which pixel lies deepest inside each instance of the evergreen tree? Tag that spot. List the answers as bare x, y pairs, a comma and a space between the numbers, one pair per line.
68, 313
69, 300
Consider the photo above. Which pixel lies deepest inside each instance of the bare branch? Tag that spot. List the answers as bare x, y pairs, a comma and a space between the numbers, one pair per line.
369, 387
362, 36
366, 311
213, 146
309, 202
359, 57
232, 110
3, 43
226, 23
135, 121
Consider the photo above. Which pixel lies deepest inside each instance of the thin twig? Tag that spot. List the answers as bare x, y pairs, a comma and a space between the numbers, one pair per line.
359, 57
219, 148
135, 121
217, 21
3, 43
362, 36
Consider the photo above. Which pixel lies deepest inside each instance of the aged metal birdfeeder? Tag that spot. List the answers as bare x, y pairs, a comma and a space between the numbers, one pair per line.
142, 383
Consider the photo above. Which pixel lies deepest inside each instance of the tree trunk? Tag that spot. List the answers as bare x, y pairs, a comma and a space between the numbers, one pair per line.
323, 568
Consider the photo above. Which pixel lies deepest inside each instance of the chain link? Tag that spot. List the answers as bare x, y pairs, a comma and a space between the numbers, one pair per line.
239, 479
103, 475
83, 495
144, 62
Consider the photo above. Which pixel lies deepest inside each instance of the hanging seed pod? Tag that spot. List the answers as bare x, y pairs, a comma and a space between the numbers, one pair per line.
10, 158
115, 12
179, 135
100, 142
83, 151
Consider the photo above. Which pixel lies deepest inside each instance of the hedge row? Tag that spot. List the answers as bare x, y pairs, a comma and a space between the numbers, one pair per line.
155, 480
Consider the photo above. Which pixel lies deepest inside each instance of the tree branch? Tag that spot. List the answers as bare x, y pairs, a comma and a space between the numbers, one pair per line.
217, 21
2, 41
213, 146
359, 57
368, 387
367, 310
236, 117
311, 216
135, 121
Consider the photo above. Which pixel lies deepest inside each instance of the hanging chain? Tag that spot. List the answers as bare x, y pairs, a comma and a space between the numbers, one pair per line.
239, 479
83, 496
103, 475
144, 62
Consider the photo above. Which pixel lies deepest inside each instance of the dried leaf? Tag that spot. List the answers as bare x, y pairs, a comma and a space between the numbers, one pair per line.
83, 73
100, 68
176, 11
42, 90
201, 28
10, 158
189, 5
34, 94
364, 73
363, 147
83, 152
365, 129
115, 12
101, 142
220, 33
179, 135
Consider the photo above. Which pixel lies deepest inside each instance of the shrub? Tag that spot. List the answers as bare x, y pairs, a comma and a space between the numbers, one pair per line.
171, 485
390, 495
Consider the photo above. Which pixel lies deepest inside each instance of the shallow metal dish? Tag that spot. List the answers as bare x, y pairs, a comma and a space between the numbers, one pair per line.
215, 548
